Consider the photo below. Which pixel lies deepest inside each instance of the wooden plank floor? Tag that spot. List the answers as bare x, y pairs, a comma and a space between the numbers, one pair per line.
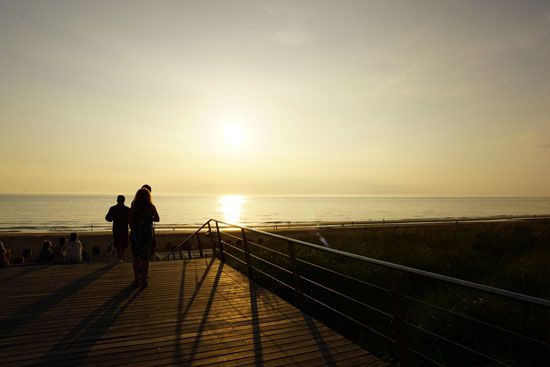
196, 312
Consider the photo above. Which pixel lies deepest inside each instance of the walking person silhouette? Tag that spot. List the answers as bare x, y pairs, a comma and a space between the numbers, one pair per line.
118, 214
154, 244
141, 217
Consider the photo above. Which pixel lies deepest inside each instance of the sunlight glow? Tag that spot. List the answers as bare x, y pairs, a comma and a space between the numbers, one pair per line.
231, 207
233, 134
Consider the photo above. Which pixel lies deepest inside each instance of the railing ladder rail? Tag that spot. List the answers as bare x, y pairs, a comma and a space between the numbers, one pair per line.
397, 321
211, 240
247, 254
220, 243
199, 245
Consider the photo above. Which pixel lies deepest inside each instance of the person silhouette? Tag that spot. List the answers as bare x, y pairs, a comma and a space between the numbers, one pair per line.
45, 256
141, 217
154, 243
5, 255
73, 250
118, 214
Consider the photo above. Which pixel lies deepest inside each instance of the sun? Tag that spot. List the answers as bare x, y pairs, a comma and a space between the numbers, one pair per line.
233, 134
231, 207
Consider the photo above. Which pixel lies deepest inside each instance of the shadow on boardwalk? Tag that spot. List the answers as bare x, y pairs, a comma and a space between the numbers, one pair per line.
258, 300
195, 312
253, 290
21, 273
184, 310
319, 340
204, 318
74, 347
29, 313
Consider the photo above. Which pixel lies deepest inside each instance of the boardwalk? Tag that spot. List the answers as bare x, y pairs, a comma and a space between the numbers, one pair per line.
197, 312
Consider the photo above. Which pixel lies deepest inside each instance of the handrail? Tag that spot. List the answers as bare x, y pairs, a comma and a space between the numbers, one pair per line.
191, 236
407, 269
180, 246
397, 300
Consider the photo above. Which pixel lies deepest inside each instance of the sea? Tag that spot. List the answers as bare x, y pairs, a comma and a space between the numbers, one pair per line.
48, 213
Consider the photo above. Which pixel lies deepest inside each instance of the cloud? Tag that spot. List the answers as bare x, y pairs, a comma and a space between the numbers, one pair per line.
271, 11
291, 37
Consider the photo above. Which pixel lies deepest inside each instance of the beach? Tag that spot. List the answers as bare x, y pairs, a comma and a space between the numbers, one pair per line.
17, 242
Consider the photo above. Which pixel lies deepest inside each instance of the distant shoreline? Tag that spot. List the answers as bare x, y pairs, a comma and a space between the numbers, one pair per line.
56, 214
19, 241
276, 225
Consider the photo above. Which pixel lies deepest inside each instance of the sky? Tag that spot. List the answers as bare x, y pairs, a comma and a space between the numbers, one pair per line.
420, 98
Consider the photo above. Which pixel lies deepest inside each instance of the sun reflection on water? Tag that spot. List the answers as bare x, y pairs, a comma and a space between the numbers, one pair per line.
231, 207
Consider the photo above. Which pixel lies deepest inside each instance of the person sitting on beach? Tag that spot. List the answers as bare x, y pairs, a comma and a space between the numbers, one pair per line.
86, 258
45, 256
118, 214
142, 215
5, 255
58, 250
73, 250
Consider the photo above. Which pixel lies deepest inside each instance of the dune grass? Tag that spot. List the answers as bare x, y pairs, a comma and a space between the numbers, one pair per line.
509, 255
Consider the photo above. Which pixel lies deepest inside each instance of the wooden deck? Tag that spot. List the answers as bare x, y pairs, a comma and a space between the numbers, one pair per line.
197, 312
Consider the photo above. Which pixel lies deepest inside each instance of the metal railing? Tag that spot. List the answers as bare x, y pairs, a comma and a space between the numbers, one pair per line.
387, 305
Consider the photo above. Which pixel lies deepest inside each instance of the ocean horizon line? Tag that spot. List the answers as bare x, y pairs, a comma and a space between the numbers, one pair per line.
49, 211
374, 196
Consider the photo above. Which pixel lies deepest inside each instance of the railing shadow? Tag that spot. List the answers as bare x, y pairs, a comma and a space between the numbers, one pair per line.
256, 332
181, 315
182, 312
29, 313
204, 318
322, 345
21, 273
90, 330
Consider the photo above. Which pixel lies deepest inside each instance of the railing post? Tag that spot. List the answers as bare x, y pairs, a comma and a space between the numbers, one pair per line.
211, 240
298, 295
247, 254
220, 243
181, 253
189, 249
397, 322
199, 245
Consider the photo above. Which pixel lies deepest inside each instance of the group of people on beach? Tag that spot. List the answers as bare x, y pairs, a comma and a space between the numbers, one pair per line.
140, 217
68, 252
65, 252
